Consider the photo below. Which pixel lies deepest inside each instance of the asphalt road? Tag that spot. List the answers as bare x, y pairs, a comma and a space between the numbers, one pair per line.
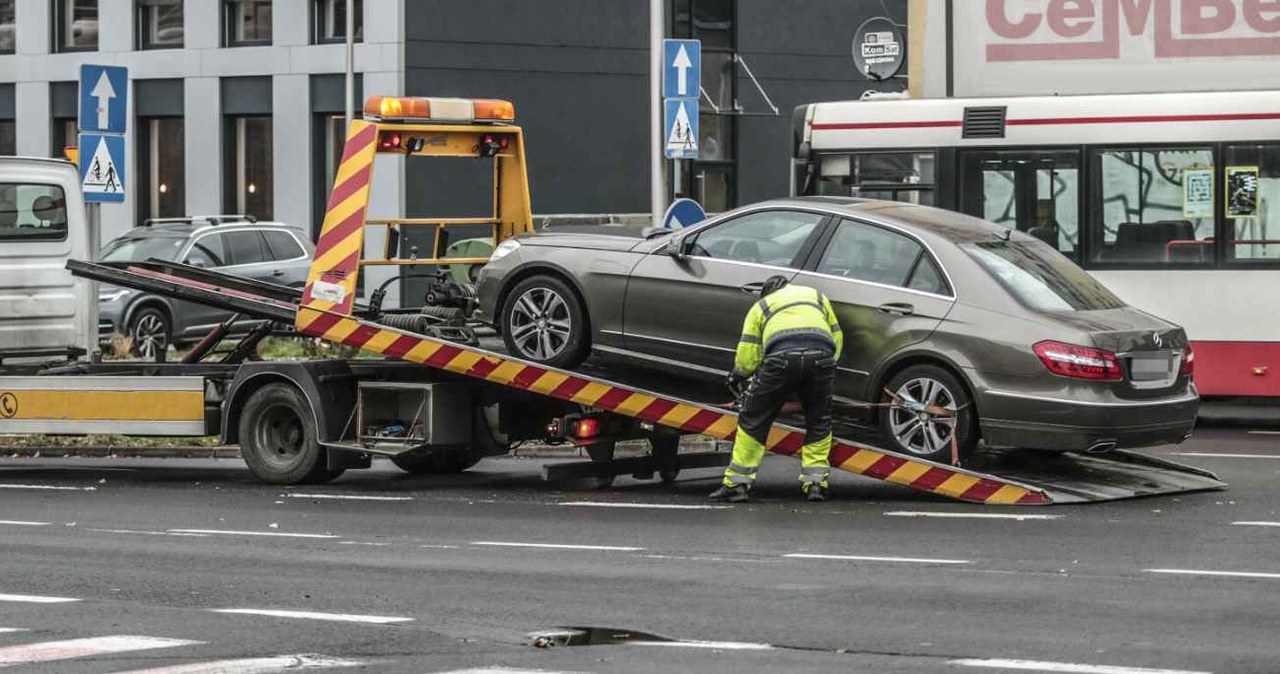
190, 566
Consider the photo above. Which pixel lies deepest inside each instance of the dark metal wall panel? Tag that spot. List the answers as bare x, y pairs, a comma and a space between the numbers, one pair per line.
329, 92
64, 99
158, 98
8, 103
246, 95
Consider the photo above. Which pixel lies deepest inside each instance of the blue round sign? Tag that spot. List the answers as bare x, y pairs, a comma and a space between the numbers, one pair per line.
683, 213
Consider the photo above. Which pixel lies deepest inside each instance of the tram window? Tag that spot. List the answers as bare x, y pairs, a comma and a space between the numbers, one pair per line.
895, 176
1251, 178
1153, 205
1032, 191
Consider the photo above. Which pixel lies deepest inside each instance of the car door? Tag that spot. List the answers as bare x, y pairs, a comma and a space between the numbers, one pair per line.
689, 308
248, 256
290, 261
888, 292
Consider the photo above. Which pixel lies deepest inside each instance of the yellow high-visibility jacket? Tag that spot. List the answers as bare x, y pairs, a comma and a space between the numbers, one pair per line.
790, 311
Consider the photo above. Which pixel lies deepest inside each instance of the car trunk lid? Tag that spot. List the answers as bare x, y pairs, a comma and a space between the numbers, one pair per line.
1150, 350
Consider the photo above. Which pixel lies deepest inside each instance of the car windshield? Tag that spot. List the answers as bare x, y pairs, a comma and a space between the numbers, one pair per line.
1041, 277
130, 249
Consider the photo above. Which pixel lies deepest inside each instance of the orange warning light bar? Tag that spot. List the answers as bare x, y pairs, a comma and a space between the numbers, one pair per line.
401, 108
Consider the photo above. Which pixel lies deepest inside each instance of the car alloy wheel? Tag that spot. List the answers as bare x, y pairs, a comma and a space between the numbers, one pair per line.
914, 428
540, 324
150, 334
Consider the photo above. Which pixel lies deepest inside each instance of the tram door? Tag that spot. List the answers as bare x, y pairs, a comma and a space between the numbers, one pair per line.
1033, 192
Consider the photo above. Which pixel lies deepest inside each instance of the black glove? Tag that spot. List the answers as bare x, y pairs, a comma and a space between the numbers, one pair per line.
737, 383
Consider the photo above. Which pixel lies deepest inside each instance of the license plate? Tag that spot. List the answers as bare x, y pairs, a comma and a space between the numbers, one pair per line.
1149, 369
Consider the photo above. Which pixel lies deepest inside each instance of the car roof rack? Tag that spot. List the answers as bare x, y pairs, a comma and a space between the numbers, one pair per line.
209, 219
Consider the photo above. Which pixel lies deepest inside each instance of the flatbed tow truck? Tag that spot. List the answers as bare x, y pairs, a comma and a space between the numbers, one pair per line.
437, 397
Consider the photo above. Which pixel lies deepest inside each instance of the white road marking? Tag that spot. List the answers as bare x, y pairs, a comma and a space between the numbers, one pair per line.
718, 645
981, 516
350, 497
79, 648
48, 487
558, 546
1215, 455
146, 533
1227, 574
654, 506
229, 532
21, 523
1264, 432
1074, 668
11, 630
315, 615
32, 599
864, 558
279, 663
1257, 524
504, 670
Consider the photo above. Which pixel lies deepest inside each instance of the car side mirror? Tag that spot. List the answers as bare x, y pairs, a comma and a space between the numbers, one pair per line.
679, 247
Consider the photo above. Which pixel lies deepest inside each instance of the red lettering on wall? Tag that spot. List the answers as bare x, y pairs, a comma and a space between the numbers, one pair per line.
1255, 15
1221, 16
1136, 13
1064, 17
1002, 26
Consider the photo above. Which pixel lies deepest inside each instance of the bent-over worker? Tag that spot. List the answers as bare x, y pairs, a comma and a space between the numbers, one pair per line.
790, 344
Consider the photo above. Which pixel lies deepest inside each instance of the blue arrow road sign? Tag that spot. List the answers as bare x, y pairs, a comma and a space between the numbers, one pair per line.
681, 68
104, 98
683, 213
102, 167
680, 130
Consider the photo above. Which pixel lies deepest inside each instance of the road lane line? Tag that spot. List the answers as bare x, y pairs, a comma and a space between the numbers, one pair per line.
316, 615
1226, 574
1264, 432
48, 487
11, 630
50, 651
144, 532
1215, 455
505, 670
1256, 524
654, 506
350, 497
557, 546
271, 665
718, 645
865, 558
33, 599
231, 532
981, 516
1072, 667
21, 523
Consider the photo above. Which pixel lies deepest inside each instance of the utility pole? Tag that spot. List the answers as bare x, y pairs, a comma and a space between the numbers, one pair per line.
657, 167
351, 62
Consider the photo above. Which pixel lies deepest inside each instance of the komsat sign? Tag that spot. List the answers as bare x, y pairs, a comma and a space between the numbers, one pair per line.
878, 50
1019, 47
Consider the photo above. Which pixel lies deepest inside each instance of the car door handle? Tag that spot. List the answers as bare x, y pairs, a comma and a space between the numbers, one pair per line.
900, 308
277, 272
753, 288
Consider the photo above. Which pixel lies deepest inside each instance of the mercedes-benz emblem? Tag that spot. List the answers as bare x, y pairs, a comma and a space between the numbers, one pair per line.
1155, 336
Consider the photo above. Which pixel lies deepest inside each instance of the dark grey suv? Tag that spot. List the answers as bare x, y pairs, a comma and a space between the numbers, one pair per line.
937, 308
266, 251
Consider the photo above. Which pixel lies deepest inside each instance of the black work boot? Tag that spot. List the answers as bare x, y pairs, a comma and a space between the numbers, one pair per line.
815, 492
734, 494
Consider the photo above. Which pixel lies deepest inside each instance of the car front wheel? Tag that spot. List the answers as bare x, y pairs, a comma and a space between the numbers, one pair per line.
544, 321
931, 414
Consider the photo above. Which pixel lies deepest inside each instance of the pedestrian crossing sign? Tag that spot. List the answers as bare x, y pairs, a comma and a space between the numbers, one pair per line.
681, 128
102, 167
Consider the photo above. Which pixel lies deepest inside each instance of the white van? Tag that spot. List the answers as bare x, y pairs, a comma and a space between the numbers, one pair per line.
44, 310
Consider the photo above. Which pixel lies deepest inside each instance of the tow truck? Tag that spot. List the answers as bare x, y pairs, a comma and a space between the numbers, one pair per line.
431, 392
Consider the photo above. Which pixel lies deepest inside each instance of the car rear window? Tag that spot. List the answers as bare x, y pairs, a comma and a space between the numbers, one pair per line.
131, 249
1041, 277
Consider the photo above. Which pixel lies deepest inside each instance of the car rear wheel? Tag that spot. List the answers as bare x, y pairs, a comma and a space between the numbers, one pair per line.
911, 429
150, 331
543, 321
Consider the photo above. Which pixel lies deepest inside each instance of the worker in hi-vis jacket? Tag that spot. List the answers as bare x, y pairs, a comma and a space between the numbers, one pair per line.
790, 344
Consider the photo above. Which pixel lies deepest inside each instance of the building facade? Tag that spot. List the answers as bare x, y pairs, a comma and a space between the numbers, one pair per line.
237, 104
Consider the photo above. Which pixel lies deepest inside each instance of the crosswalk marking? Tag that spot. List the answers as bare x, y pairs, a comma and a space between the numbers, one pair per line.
32, 599
271, 665
79, 648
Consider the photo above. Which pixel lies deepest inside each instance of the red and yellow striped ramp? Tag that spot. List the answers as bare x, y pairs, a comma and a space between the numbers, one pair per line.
686, 416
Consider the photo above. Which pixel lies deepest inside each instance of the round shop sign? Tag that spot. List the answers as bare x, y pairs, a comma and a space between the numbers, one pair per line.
878, 48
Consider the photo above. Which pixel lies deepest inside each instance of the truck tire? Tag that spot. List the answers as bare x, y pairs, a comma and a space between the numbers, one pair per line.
913, 434
279, 439
544, 321
440, 462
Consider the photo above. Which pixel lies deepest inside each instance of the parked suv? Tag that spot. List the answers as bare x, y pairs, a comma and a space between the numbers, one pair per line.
235, 244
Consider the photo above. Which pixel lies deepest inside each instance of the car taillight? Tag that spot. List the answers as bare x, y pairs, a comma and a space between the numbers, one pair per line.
1080, 362
1188, 361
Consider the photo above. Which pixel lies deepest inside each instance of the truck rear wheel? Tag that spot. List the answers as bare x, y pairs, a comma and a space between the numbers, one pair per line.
279, 440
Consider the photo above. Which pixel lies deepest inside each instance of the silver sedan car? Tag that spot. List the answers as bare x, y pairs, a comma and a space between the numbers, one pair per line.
938, 309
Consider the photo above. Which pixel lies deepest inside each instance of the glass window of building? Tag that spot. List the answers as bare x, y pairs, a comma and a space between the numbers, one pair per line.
32, 212
64, 134
75, 25
712, 177
249, 184
247, 22
1153, 205
8, 26
1251, 183
1037, 192
331, 20
161, 168
8, 137
160, 24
